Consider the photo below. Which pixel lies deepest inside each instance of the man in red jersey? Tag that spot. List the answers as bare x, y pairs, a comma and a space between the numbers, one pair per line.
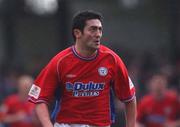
160, 107
81, 78
16, 111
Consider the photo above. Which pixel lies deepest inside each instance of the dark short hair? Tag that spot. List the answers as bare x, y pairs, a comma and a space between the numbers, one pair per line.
79, 20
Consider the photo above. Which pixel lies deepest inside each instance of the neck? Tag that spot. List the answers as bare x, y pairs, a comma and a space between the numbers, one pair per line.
85, 52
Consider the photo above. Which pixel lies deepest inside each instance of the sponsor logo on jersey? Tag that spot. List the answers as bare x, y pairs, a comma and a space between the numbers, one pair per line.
80, 89
34, 91
103, 71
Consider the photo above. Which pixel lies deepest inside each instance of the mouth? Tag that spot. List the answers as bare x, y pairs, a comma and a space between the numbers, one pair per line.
97, 42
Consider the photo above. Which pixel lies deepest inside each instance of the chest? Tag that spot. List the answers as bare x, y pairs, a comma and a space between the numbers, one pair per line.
17, 106
166, 108
86, 78
86, 71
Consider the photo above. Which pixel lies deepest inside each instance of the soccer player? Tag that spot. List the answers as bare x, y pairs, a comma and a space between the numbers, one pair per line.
159, 108
16, 111
82, 78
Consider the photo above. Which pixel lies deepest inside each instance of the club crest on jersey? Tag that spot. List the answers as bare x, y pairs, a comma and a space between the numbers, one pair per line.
80, 89
103, 71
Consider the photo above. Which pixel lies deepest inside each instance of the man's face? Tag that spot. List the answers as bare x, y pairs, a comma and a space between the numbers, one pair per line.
158, 86
91, 35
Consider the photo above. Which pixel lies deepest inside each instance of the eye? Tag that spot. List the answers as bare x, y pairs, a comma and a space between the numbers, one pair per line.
100, 29
94, 29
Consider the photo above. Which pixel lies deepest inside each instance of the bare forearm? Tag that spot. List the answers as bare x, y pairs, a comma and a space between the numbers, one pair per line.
43, 115
131, 113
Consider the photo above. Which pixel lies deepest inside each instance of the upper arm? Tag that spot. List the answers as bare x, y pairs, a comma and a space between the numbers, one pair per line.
123, 86
45, 84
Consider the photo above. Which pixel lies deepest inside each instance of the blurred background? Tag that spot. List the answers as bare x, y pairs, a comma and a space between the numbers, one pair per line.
145, 33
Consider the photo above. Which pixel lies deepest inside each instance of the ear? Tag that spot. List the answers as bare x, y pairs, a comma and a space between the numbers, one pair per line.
77, 33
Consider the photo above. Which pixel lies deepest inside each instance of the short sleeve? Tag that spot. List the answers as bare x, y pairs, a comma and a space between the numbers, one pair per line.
45, 84
123, 86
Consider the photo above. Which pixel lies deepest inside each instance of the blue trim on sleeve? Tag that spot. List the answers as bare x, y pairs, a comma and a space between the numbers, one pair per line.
55, 110
112, 106
57, 104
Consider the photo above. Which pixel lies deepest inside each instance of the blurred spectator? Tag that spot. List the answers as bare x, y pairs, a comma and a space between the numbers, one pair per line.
160, 107
16, 111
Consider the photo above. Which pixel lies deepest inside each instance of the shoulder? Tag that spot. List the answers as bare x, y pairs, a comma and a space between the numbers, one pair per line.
11, 99
61, 55
105, 50
117, 60
146, 99
171, 95
64, 53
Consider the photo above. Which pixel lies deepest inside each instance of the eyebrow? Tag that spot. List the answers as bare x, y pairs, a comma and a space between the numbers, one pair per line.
97, 27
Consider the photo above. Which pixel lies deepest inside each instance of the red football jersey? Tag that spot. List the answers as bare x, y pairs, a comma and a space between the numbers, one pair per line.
15, 105
85, 84
155, 113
